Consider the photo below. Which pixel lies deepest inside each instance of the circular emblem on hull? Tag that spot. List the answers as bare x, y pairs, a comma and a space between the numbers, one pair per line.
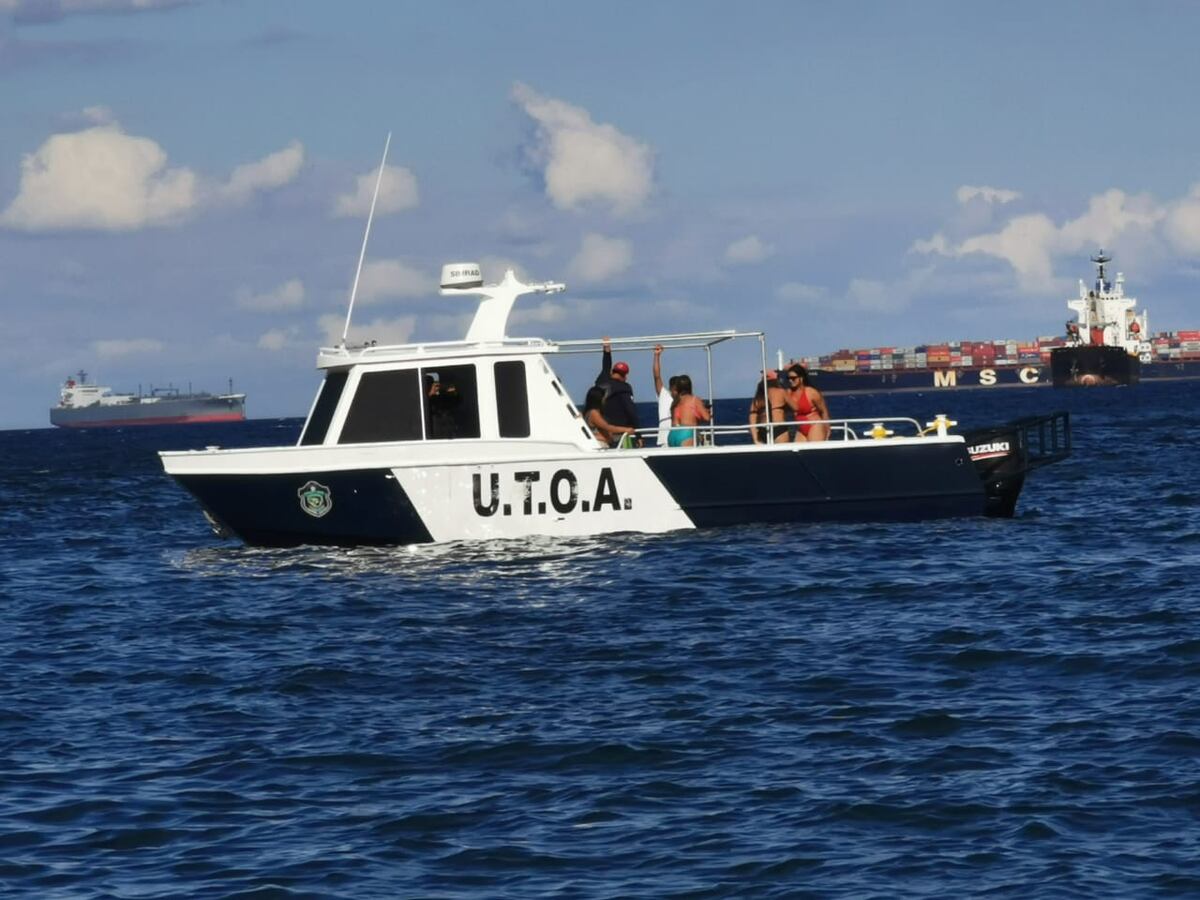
315, 499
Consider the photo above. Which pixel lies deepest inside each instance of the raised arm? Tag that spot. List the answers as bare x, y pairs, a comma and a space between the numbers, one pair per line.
605, 362
657, 369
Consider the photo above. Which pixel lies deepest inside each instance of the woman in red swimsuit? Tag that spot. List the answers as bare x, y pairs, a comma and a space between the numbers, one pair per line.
808, 405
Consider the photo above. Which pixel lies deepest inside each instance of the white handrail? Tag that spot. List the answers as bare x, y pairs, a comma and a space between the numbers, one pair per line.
695, 340
843, 426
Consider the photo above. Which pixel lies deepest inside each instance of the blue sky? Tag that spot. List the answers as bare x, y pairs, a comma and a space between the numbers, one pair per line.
181, 182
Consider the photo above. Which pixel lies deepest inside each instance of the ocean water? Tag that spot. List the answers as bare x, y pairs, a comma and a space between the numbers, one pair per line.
1003, 708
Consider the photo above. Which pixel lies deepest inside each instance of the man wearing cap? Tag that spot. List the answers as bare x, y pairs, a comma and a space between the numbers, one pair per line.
618, 402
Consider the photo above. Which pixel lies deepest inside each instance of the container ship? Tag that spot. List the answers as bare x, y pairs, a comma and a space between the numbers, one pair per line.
85, 405
1108, 343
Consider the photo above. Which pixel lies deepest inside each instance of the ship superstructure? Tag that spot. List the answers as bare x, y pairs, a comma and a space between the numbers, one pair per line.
1107, 317
1106, 346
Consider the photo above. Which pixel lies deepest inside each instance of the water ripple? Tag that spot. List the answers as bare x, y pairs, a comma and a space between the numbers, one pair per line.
951, 708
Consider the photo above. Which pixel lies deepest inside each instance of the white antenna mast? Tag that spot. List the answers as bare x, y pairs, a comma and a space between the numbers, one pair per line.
363, 252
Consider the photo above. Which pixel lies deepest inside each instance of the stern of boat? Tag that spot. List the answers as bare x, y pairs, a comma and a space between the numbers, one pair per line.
1003, 455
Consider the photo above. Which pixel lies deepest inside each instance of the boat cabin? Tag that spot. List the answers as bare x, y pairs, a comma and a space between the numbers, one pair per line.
436, 393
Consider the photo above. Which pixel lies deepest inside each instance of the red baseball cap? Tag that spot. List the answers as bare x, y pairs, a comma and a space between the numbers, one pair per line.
622, 368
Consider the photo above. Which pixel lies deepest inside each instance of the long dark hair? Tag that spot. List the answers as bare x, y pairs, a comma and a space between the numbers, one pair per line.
594, 399
771, 377
800, 372
683, 384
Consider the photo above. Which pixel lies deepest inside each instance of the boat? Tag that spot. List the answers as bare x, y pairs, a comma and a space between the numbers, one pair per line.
478, 439
383, 459
1106, 345
1109, 342
84, 404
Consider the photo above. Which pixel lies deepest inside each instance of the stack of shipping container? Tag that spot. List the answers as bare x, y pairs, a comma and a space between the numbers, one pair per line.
1177, 345
1168, 345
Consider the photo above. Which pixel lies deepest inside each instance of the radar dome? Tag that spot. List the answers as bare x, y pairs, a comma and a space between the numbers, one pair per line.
461, 276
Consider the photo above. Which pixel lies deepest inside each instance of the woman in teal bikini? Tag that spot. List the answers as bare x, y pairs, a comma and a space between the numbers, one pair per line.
687, 412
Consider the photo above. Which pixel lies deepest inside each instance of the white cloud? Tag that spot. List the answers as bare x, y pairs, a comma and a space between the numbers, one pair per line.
862, 295
548, 312
99, 178
102, 179
871, 295
1029, 243
494, 267
397, 192
270, 172
1182, 224
385, 331
52, 10
934, 245
968, 192
289, 295
600, 257
98, 115
805, 294
115, 348
278, 338
748, 250
584, 162
387, 278
1025, 242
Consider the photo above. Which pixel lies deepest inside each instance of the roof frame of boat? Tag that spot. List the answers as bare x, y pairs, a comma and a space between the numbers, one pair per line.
348, 355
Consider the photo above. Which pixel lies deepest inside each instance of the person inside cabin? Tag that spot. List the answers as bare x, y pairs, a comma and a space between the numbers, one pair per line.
666, 396
444, 400
687, 412
618, 395
608, 434
773, 408
807, 404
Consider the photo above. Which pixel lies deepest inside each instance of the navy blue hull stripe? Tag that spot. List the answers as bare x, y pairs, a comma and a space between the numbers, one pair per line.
364, 506
899, 483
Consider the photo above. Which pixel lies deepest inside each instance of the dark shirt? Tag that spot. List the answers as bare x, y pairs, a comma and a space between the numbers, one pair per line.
618, 406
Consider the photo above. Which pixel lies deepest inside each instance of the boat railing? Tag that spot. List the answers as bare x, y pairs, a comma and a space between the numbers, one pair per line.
682, 341
372, 348
840, 430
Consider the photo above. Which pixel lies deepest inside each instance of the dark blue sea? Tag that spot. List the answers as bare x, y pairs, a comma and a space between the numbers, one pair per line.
1005, 708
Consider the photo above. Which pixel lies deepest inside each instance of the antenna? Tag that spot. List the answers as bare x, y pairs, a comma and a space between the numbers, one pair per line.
363, 252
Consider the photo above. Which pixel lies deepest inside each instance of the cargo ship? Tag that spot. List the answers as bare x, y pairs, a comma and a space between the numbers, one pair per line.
85, 405
1108, 343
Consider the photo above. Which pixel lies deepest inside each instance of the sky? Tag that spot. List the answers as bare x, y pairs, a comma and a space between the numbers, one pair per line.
184, 185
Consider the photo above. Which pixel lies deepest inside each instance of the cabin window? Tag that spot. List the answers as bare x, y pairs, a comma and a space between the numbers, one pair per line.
512, 399
451, 402
322, 414
386, 407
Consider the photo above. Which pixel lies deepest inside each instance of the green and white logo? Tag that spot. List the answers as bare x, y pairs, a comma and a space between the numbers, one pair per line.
315, 499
